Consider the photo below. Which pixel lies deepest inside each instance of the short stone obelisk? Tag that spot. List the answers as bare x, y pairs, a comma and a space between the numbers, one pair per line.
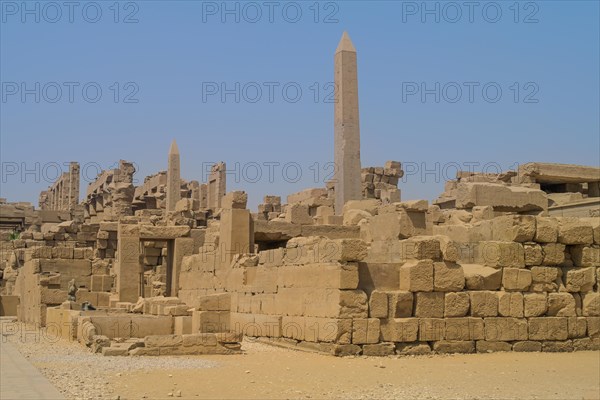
347, 130
173, 177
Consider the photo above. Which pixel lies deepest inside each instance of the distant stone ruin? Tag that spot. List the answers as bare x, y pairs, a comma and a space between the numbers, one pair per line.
498, 262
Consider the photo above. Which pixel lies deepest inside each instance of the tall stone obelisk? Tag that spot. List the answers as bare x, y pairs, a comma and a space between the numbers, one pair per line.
173, 177
347, 129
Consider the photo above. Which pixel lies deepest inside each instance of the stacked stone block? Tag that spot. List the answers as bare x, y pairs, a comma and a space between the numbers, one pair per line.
382, 182
532, 285
270, 208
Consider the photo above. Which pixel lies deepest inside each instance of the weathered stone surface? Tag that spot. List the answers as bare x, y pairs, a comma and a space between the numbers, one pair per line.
500, 254
236, 199
417, 276
577, 327
162, 232
368, 205
446, 346
400, 304
378, 304
342, 250
533, 254
400, 329
535, 304
163, 340
514, 228
527, 346
456, 304
298, 214
431, 329
559, 173
479, 277
516, 279
554, 253
546, 230
505, 329
557, 346
275, 230
545, 274
115, 350
200, 339
586, 344
579, 279
450, 249
464, 329
429, 304
484, 346
353, 304
228, 337
593, 326
548, 328
380, 349
343, 350
561, 305
484, 304
365, 330
595, 223
415, 205
482, 213
215, 302
420, 248
353, 217
448, 277
585, 256
574, 231
501, 197
413, 349
510, 304
389, 226
591, 304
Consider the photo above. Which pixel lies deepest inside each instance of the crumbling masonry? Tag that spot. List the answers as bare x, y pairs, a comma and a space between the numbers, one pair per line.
498, 262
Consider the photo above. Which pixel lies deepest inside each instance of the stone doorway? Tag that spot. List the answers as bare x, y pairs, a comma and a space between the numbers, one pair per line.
129, 266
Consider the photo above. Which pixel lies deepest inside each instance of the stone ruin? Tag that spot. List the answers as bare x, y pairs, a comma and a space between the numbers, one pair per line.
64, 193
498, 262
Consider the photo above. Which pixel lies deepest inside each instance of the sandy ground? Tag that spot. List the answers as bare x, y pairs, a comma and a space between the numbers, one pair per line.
265, 372
268, 372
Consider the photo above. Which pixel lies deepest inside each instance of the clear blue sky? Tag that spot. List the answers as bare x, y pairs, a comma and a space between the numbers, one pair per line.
177, 49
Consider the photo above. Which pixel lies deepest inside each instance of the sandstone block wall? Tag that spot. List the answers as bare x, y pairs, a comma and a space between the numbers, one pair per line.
525, 283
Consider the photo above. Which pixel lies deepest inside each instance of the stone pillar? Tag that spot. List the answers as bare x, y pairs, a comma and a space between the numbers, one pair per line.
347, 129
194, 187
183, 246
60, 196
203, 196
236, 234
73, 185
173, 178
593, 189
127, 267
217, 185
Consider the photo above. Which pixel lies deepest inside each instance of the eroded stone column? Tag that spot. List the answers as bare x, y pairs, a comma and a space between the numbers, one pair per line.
236, 234
183, 246
73, 185
217, 185
127, 267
